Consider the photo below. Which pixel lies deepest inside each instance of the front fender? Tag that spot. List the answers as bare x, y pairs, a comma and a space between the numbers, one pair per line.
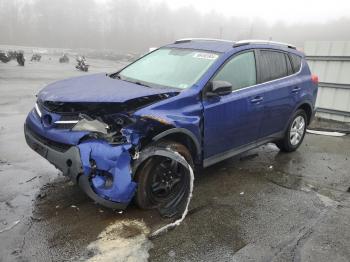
182, 131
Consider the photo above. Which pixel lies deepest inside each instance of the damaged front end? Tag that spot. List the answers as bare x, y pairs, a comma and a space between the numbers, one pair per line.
106, 156
99, 142
107, 176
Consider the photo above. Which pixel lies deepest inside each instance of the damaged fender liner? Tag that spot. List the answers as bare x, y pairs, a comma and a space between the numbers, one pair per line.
75, 163
178, 205
84, 183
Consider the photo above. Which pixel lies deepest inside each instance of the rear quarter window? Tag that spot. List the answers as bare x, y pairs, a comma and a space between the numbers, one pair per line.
296, 62
272, 65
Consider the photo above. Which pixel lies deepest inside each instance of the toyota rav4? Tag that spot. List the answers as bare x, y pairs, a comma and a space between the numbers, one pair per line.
205, 100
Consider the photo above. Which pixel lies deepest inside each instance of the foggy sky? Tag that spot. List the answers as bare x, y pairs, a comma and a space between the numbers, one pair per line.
136, 25
272, 11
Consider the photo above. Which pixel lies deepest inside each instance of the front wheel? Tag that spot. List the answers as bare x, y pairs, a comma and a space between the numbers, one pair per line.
295, 133
163, 182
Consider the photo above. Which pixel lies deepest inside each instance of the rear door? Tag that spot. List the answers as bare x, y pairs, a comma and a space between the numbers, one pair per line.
275, 79
233, 120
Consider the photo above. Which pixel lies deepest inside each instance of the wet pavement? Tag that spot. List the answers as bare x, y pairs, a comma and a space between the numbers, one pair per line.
261, 206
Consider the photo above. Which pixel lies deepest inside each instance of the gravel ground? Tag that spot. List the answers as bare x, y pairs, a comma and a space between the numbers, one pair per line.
261, 206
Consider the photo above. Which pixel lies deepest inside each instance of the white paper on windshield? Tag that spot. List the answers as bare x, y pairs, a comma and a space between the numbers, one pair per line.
204, 55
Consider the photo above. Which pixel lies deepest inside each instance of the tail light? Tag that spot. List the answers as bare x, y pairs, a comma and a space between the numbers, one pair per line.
314, 79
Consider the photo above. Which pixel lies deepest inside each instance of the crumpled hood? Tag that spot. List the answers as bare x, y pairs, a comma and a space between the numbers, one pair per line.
96, 88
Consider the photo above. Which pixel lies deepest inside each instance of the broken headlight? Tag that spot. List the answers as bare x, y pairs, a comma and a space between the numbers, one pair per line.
91, 125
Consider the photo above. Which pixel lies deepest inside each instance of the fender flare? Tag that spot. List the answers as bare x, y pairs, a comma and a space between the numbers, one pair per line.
182, 131
295, 109
304, 102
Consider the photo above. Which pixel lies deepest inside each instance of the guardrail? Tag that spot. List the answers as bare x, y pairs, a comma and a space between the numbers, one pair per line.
334, 85
327, 58
331, 62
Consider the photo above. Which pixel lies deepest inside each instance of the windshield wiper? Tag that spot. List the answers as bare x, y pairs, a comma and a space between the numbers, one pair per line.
140, 84
116, 75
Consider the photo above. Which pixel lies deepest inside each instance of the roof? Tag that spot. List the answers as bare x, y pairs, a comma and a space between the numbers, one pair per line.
214, 45
222, 46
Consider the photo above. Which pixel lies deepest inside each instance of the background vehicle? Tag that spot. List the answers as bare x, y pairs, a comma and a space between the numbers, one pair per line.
4, 57
20, 58
82, 64
64, 59
36, 57
204, 99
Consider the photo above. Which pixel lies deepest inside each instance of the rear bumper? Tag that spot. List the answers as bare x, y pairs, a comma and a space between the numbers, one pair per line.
69, 161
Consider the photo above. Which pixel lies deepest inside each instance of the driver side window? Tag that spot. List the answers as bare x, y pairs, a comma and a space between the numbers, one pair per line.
240, 71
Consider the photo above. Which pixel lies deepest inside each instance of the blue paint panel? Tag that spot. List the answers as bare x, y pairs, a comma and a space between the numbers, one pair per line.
280, 101
184, 110
116, 161
64, 136
96, 88
231, 121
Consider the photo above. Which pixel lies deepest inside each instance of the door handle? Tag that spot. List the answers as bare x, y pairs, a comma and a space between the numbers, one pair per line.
257, 99
296, 89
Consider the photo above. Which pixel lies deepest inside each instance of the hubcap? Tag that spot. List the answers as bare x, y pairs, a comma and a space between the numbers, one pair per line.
297, 130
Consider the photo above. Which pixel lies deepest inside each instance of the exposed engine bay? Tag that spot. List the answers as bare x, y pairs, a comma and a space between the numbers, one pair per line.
103, 120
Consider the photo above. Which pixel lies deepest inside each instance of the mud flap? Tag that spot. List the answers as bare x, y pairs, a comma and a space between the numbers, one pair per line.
107, 177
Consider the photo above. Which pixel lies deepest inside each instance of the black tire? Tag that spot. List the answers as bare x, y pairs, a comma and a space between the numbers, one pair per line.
286, 144
145, 198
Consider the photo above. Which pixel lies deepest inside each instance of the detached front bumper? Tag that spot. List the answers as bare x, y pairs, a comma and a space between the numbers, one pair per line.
74, 161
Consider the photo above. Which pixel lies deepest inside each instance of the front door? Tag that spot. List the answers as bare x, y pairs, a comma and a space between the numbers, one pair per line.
233, 120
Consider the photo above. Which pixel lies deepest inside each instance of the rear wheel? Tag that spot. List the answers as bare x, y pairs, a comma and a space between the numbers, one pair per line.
163, 181
295, 133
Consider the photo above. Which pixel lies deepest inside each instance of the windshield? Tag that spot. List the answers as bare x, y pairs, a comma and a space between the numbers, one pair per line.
178, 68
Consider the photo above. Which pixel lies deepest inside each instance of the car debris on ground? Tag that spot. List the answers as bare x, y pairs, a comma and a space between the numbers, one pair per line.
12, 225
325, 133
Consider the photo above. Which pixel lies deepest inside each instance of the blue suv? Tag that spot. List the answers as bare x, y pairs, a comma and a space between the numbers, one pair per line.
203, 99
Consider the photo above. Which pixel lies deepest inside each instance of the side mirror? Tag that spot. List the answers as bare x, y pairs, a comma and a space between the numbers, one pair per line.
219, 88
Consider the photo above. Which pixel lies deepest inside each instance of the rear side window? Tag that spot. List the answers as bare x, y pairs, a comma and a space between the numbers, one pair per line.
272, 65
240, 71
296, 62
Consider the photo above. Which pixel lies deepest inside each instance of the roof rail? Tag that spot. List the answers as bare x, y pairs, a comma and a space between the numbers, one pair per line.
186, 40
247, 42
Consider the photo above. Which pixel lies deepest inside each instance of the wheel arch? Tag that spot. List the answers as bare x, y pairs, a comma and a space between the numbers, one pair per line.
307, 107
182, 136
304, 105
